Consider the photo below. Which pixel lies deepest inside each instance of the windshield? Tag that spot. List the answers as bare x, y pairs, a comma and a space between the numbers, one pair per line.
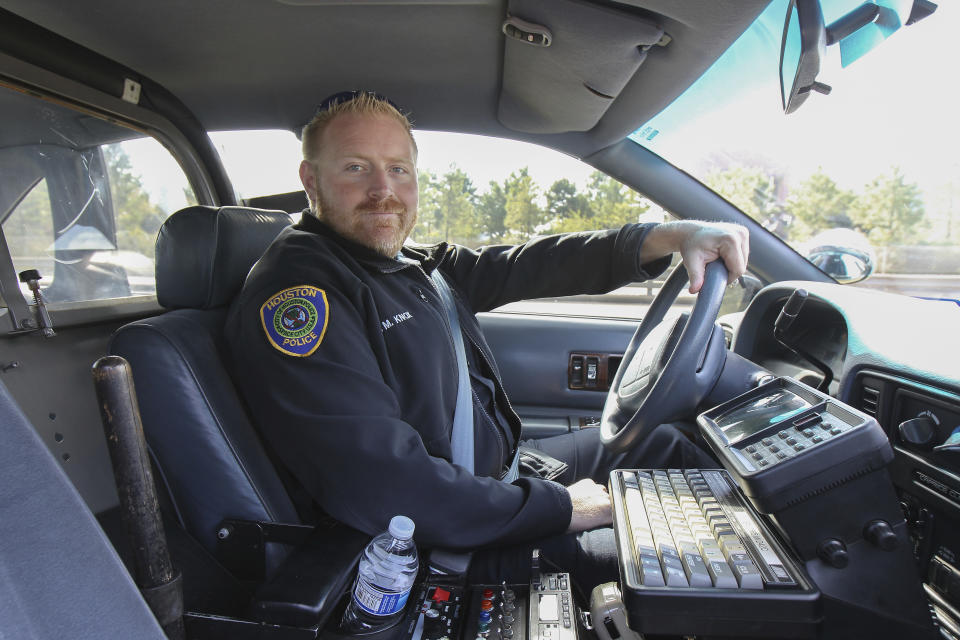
865, 180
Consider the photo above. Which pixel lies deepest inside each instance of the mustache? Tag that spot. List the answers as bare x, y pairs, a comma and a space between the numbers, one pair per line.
386, 205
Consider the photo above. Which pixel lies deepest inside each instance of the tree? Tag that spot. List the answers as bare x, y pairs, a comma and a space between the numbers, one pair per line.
492, 212
524, 215
607, 204
430, 216
138, 219
751, 189
891, 210
457, 199
818, 203
563, 201
612, 203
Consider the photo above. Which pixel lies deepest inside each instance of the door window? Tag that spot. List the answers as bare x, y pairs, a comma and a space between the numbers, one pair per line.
82, 199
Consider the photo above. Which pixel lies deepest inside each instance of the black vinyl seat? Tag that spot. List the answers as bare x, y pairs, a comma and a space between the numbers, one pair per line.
207, 453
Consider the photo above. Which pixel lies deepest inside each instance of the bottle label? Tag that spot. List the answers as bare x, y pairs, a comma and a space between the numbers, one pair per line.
376, 601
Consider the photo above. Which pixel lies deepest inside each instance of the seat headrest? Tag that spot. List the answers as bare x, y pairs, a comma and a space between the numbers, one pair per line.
205, 253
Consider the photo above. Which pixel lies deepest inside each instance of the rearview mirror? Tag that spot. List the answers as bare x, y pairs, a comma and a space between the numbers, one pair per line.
805, 38
802, 47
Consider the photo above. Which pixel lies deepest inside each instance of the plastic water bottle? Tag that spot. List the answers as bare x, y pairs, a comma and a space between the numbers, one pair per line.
387, 570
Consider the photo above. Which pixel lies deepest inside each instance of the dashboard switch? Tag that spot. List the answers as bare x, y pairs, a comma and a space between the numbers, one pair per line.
576, 371
881, 534
834, 553
593, 370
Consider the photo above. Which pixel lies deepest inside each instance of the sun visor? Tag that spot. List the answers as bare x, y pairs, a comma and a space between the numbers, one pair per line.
565, 61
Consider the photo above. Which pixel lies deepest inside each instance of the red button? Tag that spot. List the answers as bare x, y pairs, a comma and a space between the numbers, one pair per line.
487, 594
441, 595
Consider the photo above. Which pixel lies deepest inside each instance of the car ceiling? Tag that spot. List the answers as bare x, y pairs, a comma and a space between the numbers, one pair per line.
248, 64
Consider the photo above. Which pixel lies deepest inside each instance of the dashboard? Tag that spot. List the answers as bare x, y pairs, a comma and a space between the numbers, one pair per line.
894, 358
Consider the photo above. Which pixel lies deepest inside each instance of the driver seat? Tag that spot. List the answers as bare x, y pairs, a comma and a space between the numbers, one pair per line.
209, 459
207, 455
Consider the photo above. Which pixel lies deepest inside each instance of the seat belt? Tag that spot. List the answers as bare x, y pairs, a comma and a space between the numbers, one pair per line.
461, 440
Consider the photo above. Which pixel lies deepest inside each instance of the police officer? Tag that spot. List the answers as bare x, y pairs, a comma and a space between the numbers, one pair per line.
344, 348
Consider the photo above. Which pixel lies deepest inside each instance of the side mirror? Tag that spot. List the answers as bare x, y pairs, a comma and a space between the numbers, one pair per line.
844, 264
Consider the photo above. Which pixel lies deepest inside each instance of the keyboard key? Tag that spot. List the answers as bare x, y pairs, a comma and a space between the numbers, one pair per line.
696, 569
673, 570
651, 573
747, 574
722, 575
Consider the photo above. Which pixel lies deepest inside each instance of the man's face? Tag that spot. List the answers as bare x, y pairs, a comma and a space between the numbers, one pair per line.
364, 181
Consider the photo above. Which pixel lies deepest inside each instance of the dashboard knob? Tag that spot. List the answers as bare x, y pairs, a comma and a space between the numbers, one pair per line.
881, 534
834, 553
920, 432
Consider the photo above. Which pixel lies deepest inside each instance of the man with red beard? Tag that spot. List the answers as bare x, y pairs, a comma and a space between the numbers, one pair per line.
344, 344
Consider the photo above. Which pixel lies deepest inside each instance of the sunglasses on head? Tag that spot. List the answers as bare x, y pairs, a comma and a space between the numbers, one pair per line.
347, 96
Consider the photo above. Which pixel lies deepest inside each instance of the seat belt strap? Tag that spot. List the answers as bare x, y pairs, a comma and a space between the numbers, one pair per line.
461, 440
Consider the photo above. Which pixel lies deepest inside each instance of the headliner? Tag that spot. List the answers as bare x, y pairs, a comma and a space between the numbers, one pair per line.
245, 64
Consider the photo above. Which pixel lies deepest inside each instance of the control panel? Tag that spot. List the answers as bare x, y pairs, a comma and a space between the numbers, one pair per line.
552, 611
923, 423
544, 609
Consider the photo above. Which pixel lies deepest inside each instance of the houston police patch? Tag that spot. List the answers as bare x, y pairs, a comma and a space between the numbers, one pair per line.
295, 319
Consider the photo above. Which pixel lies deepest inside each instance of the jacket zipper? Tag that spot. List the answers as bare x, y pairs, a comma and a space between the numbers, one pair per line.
496, 378
501, 443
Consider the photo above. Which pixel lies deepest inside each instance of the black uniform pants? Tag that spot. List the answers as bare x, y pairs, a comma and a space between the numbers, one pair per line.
589, 556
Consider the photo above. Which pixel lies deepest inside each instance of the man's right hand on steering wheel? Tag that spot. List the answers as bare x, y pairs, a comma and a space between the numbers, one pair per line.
698, 244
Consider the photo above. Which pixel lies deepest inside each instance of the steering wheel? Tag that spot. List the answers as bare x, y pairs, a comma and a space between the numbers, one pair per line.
669, 367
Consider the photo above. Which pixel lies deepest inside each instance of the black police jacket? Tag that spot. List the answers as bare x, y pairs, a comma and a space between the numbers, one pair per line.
345, 361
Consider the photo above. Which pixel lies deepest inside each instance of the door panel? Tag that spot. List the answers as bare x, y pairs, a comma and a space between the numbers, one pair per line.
533, 353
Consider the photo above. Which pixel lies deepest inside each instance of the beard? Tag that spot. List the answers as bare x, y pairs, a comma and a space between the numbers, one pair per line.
384, 234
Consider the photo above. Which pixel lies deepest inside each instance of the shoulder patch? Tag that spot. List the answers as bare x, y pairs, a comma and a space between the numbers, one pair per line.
295, 319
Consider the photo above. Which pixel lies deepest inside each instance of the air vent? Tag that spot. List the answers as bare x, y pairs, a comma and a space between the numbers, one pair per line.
870, 400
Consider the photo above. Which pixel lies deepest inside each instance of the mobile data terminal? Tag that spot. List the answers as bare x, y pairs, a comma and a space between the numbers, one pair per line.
799, 535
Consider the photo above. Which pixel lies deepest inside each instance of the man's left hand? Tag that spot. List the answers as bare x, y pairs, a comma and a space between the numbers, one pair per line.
700, 243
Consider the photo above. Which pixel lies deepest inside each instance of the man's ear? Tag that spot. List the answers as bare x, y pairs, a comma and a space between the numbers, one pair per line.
308, 177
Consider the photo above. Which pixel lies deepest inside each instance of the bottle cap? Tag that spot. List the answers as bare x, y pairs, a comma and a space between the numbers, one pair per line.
401, 527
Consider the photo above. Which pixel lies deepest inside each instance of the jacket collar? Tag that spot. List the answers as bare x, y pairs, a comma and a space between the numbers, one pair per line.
428, 257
